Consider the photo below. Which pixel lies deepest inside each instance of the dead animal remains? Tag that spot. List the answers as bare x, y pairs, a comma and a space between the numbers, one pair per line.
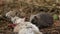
23, 27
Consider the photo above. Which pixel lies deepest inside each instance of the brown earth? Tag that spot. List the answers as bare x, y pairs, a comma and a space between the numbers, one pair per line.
26, 8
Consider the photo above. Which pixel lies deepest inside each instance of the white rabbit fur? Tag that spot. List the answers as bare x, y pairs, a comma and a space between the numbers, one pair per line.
22, 26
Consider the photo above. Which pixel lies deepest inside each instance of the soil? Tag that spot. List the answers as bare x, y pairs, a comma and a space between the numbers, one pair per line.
27, 8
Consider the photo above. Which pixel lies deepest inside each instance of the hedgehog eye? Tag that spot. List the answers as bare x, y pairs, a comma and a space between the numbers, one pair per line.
35, 17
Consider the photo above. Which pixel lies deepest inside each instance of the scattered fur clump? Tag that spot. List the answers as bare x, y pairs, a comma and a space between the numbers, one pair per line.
42, 20
23, 27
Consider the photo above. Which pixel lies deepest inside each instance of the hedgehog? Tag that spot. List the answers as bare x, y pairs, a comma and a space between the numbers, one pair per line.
42, 20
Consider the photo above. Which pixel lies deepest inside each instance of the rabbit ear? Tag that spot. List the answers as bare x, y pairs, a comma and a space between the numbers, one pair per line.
9, 13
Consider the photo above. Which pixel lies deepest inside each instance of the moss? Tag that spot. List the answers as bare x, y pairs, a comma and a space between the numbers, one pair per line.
55, 17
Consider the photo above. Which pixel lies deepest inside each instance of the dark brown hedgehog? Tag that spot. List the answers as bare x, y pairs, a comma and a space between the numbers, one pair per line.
42, 20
